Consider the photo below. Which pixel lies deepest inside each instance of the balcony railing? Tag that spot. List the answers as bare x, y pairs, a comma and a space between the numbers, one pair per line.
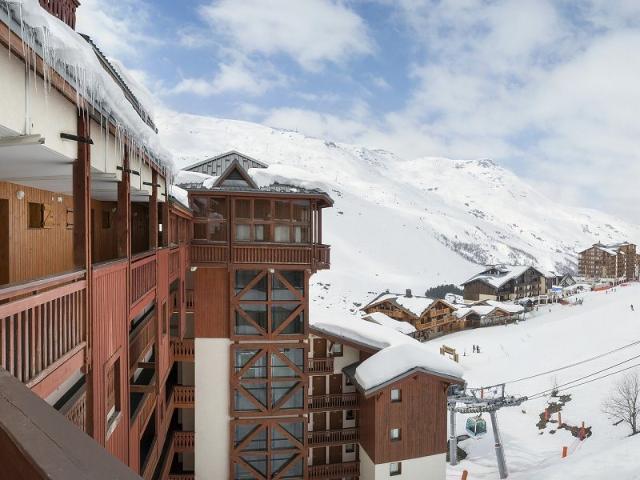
75, 409
183, 442
307, 254
183, 396
183, 350
340, 401
320, 365
181, 476
143, 277
65, 10
41, 323
143, 337
334, 470
174, 262
333, 437
190, 300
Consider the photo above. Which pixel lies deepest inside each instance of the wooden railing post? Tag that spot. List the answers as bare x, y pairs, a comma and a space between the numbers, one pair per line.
153, 212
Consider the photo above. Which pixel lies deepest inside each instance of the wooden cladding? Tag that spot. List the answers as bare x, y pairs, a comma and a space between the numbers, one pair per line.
211, 318
143, 277
341, 401
315, 256
174, 263
335, 470
37, 331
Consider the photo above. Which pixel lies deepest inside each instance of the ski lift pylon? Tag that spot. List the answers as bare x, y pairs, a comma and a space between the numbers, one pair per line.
476, 426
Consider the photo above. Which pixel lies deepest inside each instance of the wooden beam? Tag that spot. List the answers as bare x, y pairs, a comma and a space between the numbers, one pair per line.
153, 212
123, 212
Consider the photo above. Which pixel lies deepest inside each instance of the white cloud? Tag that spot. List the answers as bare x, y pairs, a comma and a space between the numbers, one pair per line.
311, 32
120, 28
232, 77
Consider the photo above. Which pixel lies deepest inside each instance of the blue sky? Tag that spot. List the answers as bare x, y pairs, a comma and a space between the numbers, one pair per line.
547, 88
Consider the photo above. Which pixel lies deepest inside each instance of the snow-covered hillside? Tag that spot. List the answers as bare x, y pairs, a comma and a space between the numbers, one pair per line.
545, 341
402, 223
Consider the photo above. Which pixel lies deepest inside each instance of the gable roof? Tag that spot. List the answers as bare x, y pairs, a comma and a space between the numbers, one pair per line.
504, 274
235, 166
413, 305
219, 164
386, 321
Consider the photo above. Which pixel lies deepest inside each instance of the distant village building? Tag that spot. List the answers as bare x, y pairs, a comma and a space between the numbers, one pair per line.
612, 261
505, 282
425, 314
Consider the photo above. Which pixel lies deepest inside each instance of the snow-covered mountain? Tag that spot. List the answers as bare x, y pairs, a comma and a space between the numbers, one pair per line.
401, 223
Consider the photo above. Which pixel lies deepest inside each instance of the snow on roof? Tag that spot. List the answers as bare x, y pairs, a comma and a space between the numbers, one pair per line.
507, 307
362, 332
187, 177
68, 53
181, 195
397, 360
414, 304
386, 321
481, 310
507, 273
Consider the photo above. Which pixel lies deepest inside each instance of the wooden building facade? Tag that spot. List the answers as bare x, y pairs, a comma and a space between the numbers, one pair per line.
505, 282
615, 261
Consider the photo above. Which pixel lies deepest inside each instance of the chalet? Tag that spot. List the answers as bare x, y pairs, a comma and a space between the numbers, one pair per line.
365, 381
425, 314
505, 282
617, 261
488, 312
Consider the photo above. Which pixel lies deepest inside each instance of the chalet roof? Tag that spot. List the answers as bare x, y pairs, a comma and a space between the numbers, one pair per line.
215, 166
611, 248
361, 333
400, 361
412, 304
257, 178
498, 275
386, 321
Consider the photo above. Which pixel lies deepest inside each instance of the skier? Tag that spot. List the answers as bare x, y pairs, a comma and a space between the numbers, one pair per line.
478, 348
632, 308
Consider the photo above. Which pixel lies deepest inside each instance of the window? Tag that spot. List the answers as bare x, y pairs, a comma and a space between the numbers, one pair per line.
336, 350
350, 415
396, 395
113, 394
395, 468
394, 434
210, 222
281, 221
350, 448
36, 215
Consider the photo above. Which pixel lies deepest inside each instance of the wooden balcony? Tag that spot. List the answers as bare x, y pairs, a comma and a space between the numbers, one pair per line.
183, 350
324, 438
65, 10
141, 340
75, 409
340, 401
42, 323
334, 471
184, 397
174, 263
183, 442
318, 256
143, 276
320, 365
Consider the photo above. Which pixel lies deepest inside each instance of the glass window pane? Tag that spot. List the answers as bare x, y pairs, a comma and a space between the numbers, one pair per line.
199, 205
283, 210
258, 291
295, 356
296, 327
301, 211
217, 231
200, 231
280, 368
258, 440
262, 209
243, 233
300, 234
259, 463
257, 312
282, 233
218, 208
279, 291
258, 368
296, 430
243, 209
244, 327
261, 233
280, 389
257, 391
295, 279
279, 313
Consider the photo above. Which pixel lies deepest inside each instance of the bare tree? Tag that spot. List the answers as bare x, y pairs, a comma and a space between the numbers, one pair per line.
624, 402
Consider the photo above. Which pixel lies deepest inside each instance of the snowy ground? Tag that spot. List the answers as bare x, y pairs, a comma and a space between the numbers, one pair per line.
547, 340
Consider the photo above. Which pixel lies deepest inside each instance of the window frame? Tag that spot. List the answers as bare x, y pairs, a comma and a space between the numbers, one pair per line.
396, 400
271, 223
113, 419
393, 438
397, 471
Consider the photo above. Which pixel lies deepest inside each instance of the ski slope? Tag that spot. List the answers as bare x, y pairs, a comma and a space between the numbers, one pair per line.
545, 341
404, 223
